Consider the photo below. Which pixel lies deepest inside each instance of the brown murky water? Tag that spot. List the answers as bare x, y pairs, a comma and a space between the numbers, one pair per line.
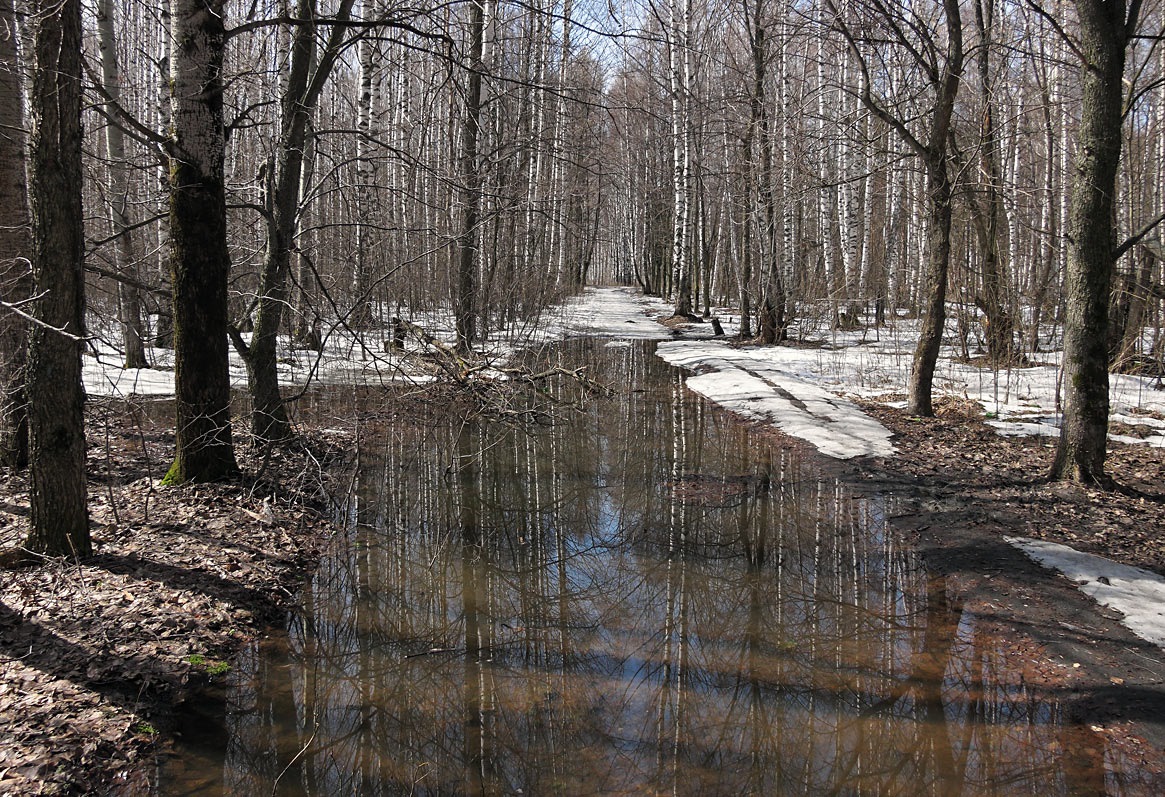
637, 599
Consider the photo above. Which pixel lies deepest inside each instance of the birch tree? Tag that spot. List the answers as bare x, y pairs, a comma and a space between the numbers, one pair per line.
681, 78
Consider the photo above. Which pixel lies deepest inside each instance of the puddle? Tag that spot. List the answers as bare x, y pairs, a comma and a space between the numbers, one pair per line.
639, 598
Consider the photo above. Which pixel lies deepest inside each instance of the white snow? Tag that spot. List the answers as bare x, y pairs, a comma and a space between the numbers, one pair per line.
620, 313
745, 381
1137, 594
798, 387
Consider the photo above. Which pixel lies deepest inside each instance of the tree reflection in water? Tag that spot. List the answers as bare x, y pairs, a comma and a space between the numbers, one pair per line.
639, 598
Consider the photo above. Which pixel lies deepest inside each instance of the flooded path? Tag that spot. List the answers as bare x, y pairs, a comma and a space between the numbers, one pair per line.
639, 597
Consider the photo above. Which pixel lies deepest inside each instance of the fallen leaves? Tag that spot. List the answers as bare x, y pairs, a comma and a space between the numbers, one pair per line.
92, 656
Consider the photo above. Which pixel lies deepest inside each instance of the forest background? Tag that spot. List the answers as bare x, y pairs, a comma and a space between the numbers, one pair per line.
228, 172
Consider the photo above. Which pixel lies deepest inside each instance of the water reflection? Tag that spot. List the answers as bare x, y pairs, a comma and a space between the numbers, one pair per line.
641, 599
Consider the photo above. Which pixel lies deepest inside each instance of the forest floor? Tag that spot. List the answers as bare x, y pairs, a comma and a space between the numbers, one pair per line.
96, 658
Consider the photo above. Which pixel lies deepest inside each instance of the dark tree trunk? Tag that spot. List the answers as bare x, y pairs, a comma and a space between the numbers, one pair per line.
15, 251
60, 519
199, 260
945, 69
993, 302
269, 420
129, 298
938, 254
465, 248
1104, 33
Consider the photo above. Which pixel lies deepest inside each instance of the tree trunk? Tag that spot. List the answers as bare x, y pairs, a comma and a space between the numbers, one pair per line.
1104, 34
367, 193
465, 248
199, 260
1000, 326
938, 254
15, 251
679, 51
129, 298
269, 421
57, 496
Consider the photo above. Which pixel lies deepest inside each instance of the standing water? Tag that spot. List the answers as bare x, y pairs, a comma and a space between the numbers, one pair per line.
638, 596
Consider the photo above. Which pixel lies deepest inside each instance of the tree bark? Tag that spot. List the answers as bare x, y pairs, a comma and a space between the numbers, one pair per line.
15, 250
1000, 326
199, 260
465, 247
944, 69
938, 255
57, 496
1105, 31
680, 75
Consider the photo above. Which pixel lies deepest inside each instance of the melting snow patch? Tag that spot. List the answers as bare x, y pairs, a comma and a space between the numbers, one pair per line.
1137, 594
745, 381
609, 312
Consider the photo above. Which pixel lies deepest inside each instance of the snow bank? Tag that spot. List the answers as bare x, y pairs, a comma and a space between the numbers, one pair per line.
1137, 594
621, 313
746, 381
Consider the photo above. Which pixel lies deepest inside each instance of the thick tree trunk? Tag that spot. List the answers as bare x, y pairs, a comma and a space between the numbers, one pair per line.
199, 260
15, 251
57, 497
1104, 34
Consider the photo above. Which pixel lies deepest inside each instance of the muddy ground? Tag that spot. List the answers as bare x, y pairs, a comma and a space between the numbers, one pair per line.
95, 656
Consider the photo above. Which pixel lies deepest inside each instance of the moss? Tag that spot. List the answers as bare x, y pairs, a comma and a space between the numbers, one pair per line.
173, 476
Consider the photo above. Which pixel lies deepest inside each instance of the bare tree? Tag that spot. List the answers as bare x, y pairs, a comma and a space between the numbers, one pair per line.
465, 249
199, 260
57, 495
15, 249
939, 59
117, 192
1106, 29
305, 82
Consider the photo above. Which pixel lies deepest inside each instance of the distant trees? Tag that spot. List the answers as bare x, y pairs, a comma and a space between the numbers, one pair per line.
340, 162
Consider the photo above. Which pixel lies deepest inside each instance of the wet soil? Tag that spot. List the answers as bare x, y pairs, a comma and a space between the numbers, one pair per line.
97, 658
